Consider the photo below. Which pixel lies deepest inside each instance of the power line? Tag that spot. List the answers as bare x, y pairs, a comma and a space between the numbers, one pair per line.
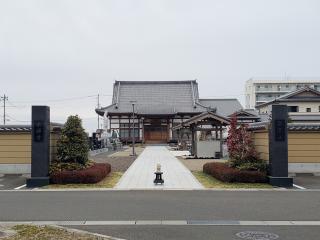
62, 99
98, 108
16, 120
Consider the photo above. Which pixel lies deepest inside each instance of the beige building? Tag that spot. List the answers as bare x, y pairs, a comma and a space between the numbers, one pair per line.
259, 91
303, 105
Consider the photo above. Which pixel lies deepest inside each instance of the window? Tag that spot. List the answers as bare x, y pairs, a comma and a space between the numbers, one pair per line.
293, 109
124, 133
308, 109
136, 131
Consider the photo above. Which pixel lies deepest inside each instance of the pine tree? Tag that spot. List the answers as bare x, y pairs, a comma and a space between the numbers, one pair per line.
73, 147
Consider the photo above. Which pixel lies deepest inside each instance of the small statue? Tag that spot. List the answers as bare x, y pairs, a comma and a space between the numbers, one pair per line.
158, 174
158, 167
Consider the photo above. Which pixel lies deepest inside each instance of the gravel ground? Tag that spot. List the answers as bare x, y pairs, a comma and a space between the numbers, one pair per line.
197, 164
118, 164
120, 161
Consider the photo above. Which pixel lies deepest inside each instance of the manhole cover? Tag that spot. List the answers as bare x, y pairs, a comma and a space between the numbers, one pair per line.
250, 235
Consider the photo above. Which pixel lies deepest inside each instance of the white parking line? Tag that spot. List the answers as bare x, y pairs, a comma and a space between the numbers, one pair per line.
297, 186
22, 186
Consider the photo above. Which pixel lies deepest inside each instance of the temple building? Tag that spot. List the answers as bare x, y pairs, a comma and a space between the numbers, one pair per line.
159, 106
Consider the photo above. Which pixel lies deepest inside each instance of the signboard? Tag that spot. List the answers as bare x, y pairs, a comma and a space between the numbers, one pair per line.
38, 132
280, 130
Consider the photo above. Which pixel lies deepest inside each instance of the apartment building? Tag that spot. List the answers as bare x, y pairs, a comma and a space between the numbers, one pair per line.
259, 91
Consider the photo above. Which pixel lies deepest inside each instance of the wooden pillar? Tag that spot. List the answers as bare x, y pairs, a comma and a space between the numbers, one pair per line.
216, 132
194, 140
169, 132
193, 150
221, 142
142, 129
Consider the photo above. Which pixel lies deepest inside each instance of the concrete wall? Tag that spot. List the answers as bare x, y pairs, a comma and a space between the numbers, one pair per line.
261, 143
303, 150
15, 151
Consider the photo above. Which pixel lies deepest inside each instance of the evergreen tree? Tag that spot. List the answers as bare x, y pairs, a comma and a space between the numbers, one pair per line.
73, 147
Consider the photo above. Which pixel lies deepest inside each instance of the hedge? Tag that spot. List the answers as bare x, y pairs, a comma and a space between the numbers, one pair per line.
93, 174
224, 173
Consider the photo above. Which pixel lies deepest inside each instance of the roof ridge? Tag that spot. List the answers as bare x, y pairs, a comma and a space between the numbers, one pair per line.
217, 99
157, 82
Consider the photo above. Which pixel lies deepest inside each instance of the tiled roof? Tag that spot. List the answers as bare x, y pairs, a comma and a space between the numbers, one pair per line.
204, 116
27, 128
224, 107
165, 98
291, 126
303, 127
154, 97
291, 97
15, 128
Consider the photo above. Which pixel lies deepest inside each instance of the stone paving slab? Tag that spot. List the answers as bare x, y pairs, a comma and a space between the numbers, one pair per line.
140, 175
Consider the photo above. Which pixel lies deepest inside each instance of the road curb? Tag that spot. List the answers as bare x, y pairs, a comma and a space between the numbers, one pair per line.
78, 231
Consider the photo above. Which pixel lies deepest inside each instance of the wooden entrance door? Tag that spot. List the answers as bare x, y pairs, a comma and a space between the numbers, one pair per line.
155, 132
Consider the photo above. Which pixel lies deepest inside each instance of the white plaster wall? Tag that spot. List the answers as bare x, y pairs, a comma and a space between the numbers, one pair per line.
15, 168
304, 168
207, 148
302, 107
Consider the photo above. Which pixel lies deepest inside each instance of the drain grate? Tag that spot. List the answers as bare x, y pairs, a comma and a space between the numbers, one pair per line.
252, 235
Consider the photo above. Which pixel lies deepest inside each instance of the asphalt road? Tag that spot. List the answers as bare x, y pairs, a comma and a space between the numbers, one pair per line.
160, 205
11, 181
202, 232
169, 205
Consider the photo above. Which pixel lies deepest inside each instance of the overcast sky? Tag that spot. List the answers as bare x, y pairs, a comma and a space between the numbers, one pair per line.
63, 53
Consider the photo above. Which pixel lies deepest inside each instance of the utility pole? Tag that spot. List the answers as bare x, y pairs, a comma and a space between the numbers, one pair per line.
98, 108
133, 132
4, 99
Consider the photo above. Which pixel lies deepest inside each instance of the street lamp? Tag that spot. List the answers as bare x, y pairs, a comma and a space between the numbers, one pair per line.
133, 128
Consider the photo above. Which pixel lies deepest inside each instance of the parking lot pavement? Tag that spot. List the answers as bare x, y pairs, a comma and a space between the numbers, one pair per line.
12, 181
308, 181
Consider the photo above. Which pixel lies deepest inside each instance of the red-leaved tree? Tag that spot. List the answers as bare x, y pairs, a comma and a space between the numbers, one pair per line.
240, 144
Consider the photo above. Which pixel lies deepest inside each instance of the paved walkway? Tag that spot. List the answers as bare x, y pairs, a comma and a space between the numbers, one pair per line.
140, 175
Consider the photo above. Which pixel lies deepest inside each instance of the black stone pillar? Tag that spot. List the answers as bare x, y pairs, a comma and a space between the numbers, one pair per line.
40, 160
278, 147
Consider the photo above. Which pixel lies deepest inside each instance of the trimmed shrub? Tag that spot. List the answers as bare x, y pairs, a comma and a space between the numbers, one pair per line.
93, 174
224, 173
56, 166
